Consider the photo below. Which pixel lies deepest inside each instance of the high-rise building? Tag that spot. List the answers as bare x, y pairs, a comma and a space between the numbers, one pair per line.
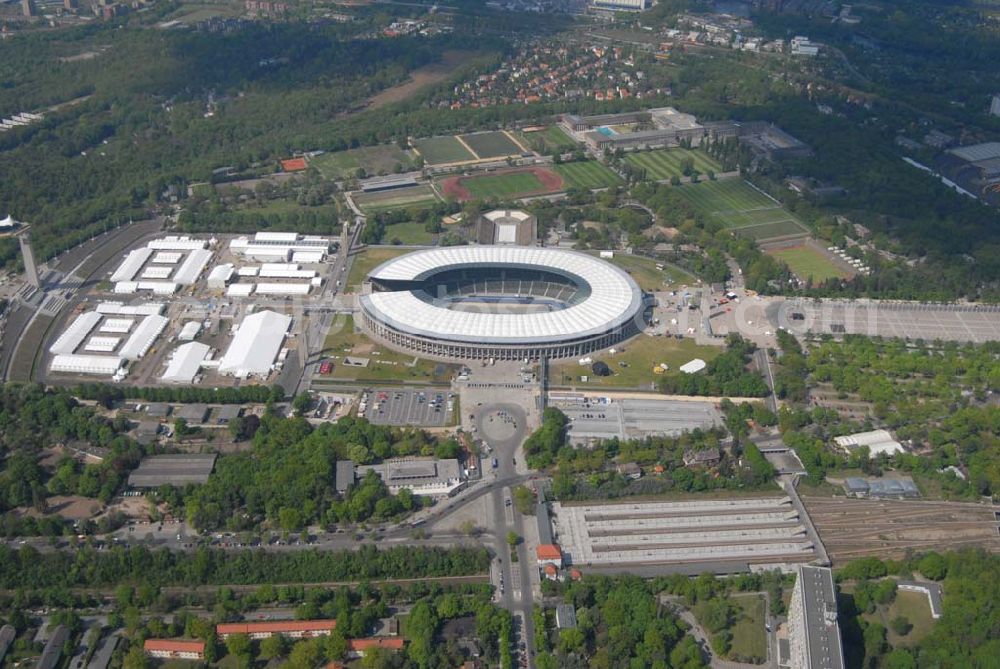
30, 269
28, 8
813, 632
70, 5
995, 105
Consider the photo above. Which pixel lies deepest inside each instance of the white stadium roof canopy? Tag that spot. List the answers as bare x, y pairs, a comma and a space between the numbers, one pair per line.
613, 301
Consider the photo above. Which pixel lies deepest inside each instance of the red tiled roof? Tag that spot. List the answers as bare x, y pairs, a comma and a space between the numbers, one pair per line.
277, 626
391, 643
294, 164
548, 552
174, 645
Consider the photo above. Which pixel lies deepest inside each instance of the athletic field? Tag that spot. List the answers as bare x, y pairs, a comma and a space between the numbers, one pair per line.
587, 174
399, 198
492, 144
739, 206
806, 262
442, 150
552, 137
373, 159
666, 163
509, 184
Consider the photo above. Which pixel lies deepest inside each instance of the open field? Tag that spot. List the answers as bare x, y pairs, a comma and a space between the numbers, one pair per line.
639, 355
807, 262
749, 638
424, 77
421, 195
644, 271
382, 159
852, 528
495, 144
411, 233
385, 365
369, 259
551, 138
663, 164
587, 174
504, 184
442, 150
738, 206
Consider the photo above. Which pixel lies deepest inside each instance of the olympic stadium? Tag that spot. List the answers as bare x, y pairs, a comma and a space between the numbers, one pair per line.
501, 302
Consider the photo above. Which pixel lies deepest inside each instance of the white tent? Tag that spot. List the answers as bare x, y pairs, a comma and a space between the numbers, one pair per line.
255, 345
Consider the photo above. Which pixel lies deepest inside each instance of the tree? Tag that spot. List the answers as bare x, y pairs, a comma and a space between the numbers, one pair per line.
600, 368
571, 640
900, 625
513, 539
240, 646
933, 566
306, 654
273, 647
136, 658
524, 500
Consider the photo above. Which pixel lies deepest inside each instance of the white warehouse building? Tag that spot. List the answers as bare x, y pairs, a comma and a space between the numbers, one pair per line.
256, 345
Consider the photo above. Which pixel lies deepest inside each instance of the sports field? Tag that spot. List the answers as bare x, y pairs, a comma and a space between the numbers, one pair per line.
587, 174
807, 262
739, 206
551, 138
400, 198
666, 163
373, 159
509, 184
442, 150
492, 144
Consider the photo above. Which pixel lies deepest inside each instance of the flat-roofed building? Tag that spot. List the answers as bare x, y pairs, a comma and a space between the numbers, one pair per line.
256, 345
175, 649
53, 650
293, 629
421, 476
7, 636
176, 470
813, 632
877, 442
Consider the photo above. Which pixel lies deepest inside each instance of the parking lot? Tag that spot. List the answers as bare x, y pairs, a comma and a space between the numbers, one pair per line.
949, 322
424, 408
637, 418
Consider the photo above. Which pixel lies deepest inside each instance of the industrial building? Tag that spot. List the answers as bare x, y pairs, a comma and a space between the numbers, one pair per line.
293, 629
501, 302
813, 632
175, 649
422, 476
256, 345
53, 650
176, 470
7, 636
740, 532
622, 5
185, 363
163, 266
878, 442
882, 488
78, 350
507, 226
278, 246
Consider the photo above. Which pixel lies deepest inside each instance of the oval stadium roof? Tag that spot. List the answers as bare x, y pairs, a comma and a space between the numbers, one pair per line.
614, 297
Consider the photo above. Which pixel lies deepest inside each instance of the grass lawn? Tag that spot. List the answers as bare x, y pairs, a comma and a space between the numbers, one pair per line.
663, 164
492, 144
552, 137
409, 233
385, 365
418, 196
640, 354
749, 636
644, 271
503, 186
441, 150
375, 160
915, 608
739, 206
369, 259
807, 262
587, 174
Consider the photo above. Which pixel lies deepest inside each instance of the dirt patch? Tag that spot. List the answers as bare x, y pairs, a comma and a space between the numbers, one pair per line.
454, 187
70, 507
133, 507
428, 75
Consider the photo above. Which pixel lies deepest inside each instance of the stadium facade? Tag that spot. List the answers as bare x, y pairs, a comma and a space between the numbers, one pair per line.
500, 302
